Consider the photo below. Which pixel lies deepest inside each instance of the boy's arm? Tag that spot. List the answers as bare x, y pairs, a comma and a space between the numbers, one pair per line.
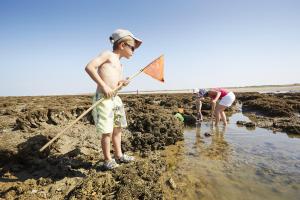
123, 83
92, 70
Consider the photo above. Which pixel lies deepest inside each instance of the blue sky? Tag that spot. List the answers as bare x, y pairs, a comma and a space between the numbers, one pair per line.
45, 45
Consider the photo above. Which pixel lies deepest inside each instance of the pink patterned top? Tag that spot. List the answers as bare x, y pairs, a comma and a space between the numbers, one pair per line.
224, 92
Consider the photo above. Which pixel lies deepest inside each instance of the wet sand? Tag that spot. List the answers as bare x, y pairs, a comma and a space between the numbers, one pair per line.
68, 169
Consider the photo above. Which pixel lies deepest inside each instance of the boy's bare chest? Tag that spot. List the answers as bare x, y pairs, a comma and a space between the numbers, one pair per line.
111, 68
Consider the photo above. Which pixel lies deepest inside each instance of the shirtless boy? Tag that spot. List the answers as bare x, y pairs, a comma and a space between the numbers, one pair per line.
109, 115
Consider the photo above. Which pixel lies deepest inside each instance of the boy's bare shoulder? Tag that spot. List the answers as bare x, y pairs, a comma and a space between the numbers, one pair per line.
107, 54
102, 58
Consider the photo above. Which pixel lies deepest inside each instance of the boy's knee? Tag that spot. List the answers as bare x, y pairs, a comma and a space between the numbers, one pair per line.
117, 129
106, 136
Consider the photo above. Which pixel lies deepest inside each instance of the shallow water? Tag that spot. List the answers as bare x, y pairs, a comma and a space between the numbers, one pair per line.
233, 163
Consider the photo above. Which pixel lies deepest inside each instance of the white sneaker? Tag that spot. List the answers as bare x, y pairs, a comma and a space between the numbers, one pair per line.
112, 164
125, 159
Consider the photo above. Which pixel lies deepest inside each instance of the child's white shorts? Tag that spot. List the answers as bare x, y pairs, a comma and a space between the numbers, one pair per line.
227, 100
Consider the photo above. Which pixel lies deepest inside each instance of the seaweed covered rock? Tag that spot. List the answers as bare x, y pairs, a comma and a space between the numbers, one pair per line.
170, 103
40, 117
247, 96
266, 104
154, 128
249, 125
287, 125
269, 106
95, 186
279, 112
137, 180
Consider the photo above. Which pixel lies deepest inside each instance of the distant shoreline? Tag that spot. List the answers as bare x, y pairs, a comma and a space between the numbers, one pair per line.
260, 88
268, 88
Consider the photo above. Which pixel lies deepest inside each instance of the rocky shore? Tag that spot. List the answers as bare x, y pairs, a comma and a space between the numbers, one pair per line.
67, 170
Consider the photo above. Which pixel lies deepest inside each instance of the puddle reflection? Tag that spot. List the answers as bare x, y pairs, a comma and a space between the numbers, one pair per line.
211, 143
230, 162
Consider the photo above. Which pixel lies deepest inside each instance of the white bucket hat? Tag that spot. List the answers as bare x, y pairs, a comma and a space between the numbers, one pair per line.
195, 90
121, 33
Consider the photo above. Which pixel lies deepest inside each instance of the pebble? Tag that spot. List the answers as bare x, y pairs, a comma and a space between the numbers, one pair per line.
297, 165
172, 184
34, 191
206, 134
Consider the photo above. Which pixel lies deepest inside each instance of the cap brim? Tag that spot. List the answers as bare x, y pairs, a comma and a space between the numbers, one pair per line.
137, 42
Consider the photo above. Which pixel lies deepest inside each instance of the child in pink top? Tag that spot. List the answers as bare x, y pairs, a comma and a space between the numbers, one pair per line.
226, 99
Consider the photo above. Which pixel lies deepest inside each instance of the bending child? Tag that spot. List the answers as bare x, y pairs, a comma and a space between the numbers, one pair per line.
109, 115
226, 98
